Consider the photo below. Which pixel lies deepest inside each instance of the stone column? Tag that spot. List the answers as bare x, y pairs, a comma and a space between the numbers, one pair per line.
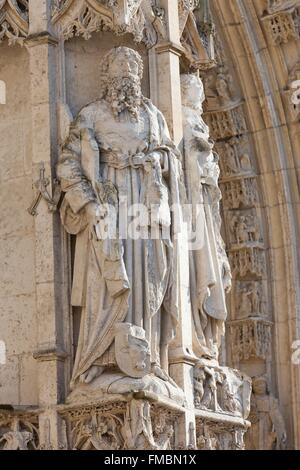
165, 72
166, 94
49, 273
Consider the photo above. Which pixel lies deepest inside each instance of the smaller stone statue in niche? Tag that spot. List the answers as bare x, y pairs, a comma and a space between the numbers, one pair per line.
267, 430
210, 275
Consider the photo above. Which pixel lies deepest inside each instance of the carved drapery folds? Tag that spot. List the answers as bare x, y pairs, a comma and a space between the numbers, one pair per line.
137, 17
13, 21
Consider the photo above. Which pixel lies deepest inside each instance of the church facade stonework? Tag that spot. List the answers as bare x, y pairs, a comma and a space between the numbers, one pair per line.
149, 225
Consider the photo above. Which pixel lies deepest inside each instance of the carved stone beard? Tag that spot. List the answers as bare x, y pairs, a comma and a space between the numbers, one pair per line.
124, 93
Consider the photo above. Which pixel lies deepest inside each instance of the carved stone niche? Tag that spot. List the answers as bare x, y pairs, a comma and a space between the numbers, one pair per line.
128, 422
248, 261
227, 434
226, 123
250, 299
235, 157
18, 431
240, 193
244, 228
250, 338
219, 89
221, 390
282, 23
14, 21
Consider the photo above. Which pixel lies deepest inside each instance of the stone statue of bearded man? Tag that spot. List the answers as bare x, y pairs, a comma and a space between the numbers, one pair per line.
119, 154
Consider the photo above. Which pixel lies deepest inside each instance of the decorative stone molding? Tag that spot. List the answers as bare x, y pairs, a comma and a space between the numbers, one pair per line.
221, 390
248, 261
240, 193
282, 24
84, 17
197, 33
18, 431
250, 325
274, 6
251, 338
250, 299
226, 122
244, 228
225, 434
136, 424
14, 21
185, 7
235, 159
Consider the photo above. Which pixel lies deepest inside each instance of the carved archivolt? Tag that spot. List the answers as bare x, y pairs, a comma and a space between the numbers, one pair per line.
14, 21
83, 17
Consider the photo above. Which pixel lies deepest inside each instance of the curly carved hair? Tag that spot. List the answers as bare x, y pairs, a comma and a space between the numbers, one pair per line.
108, 60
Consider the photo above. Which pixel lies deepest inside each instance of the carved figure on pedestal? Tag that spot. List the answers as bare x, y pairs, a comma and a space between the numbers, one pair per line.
210, 275
267, 431
119, 154
221, 390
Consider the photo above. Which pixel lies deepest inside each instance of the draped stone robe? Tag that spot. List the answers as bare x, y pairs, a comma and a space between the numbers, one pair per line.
140, 285
209, 267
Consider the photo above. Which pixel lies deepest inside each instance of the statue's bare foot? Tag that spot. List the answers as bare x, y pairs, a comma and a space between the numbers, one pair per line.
91, 374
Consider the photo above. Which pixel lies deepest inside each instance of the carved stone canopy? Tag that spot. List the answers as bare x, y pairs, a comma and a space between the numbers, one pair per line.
197, 34
14, 22
83, 17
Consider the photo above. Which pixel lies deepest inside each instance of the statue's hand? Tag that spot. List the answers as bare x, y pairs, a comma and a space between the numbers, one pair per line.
154, 156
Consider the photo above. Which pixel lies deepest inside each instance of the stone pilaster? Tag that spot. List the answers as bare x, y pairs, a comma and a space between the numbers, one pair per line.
51, 351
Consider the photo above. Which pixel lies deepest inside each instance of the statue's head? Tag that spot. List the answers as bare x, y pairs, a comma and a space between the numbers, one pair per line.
121, 76
260, 385
192, 91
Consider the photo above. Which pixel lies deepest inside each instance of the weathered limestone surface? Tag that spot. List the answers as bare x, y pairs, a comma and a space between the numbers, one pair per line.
18, 379
118, 342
